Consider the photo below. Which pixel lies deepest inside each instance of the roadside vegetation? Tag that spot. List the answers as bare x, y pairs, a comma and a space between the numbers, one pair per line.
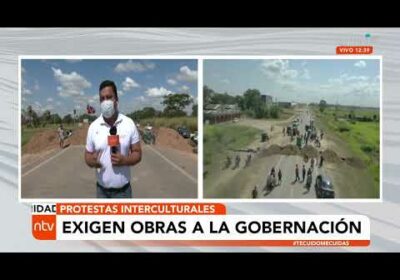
359, 127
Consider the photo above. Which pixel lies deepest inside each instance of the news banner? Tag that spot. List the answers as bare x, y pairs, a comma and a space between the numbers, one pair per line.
194, 224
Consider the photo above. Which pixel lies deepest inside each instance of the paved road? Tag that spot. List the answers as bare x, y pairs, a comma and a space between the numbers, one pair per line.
162, 173
289, 188
239, 182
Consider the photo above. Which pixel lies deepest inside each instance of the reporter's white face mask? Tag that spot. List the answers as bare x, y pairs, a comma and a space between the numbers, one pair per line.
107, 108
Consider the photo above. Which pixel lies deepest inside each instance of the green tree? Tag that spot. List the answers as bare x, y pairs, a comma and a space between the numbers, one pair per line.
24, 118
32, 117
194, 110
239, 100
352, 115
55, 119
148, 112
29, 114
45, 118
322, 106
67, 119
274, 111
207, 95
252, 99
260, 112
175, 103
145, 113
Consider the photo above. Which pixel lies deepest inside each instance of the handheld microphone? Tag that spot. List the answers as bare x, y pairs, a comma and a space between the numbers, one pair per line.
113, 139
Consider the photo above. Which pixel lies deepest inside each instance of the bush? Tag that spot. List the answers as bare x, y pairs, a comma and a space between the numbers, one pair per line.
367, 148
274, 112
219, 135
259, 113
250, 113
343, 127
207, 158
174, 123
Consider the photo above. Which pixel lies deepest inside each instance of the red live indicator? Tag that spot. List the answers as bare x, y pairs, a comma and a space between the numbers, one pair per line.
354, 50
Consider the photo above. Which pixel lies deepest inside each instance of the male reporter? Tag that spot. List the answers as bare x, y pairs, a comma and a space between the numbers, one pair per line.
112, 156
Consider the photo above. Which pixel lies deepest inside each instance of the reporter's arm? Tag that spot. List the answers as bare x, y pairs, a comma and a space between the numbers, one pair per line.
135, 155
91, 159
91, 156
135, 151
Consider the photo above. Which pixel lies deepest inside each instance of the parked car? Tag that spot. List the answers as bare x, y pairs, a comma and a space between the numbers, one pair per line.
184, 131
193, 137
324, 187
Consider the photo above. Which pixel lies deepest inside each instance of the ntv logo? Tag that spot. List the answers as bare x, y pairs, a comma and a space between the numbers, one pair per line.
356, 40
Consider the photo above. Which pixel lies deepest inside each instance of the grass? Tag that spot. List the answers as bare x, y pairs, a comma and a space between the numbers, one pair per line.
364, 141
343, 112
27, 135
362, 137
286, 113
174, 123
222, 137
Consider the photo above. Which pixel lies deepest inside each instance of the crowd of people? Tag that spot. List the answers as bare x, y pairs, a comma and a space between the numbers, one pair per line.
275, 179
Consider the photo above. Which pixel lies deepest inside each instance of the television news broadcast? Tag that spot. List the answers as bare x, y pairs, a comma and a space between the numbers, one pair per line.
188, 140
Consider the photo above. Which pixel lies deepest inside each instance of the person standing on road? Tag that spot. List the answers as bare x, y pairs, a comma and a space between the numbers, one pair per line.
248, 159
254, 193
228, 161
321, 161
61, 135
237, 162
304, 172
312, 163
113, 164
279, 176
297, 173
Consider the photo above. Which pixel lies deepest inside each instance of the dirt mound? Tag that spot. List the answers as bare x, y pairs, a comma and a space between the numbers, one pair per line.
47, 140
355, 162
290, 150
272, 150
41, 141
309, 152
79, 136
171, 138
331, 156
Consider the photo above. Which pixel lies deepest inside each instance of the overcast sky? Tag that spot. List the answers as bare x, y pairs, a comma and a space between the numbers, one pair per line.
345, 81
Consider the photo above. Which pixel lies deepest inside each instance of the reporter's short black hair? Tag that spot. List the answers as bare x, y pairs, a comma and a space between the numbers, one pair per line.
108, 83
